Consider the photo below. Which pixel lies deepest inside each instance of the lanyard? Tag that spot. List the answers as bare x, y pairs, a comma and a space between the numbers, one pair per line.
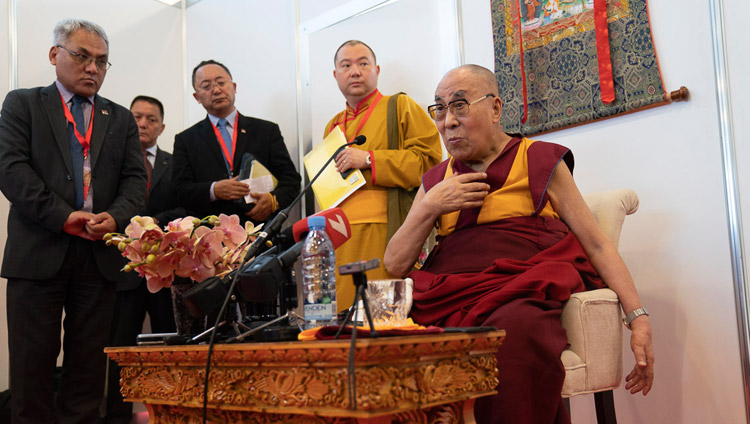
228, 156
378, 96
85, 141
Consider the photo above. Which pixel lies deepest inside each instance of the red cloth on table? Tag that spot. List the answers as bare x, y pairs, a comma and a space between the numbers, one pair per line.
329, 332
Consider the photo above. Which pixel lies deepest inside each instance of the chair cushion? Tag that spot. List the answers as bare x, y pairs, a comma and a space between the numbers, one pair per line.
575, 374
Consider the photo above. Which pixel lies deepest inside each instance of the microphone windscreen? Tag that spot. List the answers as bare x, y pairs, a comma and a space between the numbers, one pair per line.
360, 140
337, 227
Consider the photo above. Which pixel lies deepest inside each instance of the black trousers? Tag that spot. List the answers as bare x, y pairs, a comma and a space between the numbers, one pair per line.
131, 307
35, 315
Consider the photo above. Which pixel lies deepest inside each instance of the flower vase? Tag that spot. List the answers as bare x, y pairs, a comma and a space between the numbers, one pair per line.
187, 325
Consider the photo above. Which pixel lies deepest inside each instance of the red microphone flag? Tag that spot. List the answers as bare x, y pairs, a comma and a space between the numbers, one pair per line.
337, 227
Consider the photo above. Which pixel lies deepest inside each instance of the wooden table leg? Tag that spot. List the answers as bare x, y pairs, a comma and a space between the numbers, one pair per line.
468, 411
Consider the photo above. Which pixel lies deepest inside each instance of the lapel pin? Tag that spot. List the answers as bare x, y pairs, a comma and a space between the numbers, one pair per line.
105, 112
243, 131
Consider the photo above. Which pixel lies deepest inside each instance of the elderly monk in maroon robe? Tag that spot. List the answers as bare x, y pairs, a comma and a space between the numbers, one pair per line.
515, 239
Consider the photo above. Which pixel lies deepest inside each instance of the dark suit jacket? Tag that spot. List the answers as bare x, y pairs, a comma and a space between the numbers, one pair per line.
36, 177
162, 199
199, 161
162, 205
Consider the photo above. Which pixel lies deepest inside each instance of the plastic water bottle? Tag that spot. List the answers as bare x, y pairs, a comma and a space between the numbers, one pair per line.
318, 275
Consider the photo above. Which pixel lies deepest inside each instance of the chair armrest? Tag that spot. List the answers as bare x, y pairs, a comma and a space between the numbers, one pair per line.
592, 321
610, 208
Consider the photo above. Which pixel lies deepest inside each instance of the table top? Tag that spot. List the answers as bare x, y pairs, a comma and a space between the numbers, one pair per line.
367, 350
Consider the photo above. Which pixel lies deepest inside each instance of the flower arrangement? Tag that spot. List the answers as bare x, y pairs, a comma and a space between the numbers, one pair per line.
187, 247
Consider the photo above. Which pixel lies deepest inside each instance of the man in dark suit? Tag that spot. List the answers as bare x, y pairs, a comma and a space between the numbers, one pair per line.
208, 155
133, 298
71, 167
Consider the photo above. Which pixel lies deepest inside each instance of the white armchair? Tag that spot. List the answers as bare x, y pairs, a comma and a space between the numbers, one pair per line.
593, 361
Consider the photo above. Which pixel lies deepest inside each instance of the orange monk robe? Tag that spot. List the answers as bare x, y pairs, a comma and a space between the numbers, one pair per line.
367, 207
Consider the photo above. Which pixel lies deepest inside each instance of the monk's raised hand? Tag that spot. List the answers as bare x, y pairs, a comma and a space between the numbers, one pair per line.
458, 192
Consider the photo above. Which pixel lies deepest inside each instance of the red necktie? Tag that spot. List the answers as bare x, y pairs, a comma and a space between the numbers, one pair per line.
149, 172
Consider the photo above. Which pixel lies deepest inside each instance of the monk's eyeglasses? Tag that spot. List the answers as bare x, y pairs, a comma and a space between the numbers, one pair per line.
458, 107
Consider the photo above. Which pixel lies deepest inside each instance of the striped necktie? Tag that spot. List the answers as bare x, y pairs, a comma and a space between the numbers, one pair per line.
222, 126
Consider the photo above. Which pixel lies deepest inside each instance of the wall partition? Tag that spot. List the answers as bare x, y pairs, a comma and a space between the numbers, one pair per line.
145, 51
6, 80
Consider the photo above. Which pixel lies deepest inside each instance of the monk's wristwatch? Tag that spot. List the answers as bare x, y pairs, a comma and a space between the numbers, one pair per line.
633, 315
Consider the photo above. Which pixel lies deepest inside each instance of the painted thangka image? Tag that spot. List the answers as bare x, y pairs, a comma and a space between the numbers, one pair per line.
561, 64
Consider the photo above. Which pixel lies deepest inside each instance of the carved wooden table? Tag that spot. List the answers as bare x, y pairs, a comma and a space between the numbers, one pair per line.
415, 379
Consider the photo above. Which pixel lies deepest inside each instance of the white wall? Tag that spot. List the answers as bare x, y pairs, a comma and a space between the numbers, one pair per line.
677, 244
738, 67
255, 40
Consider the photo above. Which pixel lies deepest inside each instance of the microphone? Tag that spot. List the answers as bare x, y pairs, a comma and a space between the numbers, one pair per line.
259, 282
274, 226
358, 140
337, 227
289, 257
206, 296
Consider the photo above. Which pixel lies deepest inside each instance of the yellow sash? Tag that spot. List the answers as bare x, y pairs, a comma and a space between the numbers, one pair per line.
511, 200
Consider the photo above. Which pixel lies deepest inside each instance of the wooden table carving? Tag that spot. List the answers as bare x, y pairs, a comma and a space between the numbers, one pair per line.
415, 379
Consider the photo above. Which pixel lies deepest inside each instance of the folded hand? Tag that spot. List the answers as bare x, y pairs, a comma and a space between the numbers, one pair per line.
75, 225
101, 224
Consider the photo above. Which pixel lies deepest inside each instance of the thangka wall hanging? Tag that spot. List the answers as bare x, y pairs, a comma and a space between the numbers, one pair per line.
567, 62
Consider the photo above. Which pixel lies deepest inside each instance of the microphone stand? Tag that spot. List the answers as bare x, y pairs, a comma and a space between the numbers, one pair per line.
357, 270
269, 231
274, 226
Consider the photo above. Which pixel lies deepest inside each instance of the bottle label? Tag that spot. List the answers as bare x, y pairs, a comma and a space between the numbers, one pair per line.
319, 311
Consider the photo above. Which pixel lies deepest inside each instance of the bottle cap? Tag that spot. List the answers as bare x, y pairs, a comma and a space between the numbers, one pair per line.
316, 221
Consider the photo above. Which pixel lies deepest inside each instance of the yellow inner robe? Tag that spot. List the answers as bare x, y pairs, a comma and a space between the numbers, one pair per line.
366, 209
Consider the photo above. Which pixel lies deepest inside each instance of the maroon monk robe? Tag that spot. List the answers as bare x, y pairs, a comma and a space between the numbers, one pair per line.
512, 273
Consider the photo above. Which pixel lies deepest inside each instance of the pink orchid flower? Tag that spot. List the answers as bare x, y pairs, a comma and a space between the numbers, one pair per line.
185, 247
208, 245
234, 234
138, 225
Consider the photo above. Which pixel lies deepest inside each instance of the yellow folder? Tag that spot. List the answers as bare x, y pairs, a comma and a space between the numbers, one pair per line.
331, 188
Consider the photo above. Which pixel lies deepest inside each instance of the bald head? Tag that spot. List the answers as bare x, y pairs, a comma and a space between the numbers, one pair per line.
473, 134
484, 79
353, 43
